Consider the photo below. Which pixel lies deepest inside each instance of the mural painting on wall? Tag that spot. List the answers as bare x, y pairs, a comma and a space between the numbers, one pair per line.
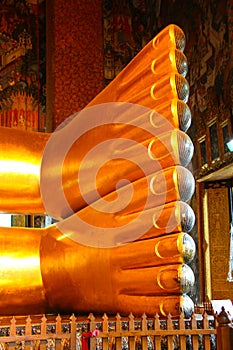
211, 71
210, 79
128, 26
22, 64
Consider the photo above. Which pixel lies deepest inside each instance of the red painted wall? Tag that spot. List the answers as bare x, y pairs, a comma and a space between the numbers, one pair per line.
74, 57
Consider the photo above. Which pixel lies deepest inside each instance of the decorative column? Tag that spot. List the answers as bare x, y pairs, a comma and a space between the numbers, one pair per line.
74, 57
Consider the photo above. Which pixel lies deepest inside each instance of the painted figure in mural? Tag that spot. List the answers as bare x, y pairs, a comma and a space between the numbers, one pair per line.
115, 178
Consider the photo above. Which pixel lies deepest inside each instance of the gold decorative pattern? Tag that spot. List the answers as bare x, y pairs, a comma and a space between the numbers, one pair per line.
219, 226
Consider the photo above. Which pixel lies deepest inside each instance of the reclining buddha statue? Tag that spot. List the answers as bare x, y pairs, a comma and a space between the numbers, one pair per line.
115, 177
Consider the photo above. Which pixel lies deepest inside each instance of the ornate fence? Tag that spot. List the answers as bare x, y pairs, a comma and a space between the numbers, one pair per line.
115, 333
